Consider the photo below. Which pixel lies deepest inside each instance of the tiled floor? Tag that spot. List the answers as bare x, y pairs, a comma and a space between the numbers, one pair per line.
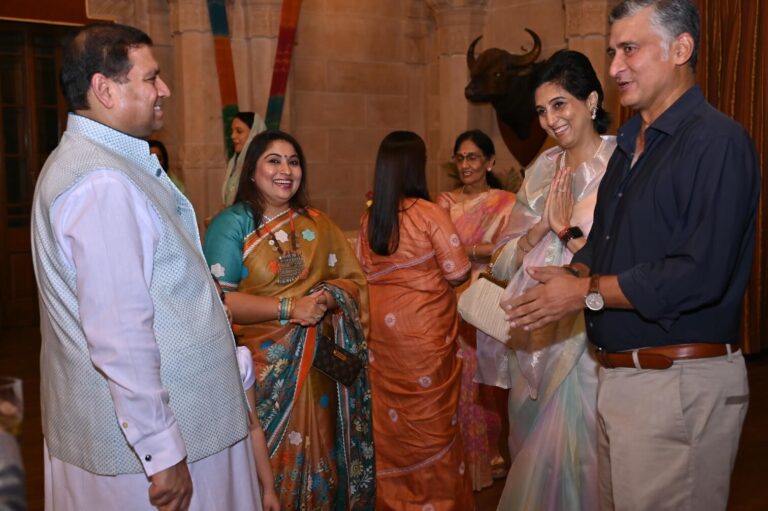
19, 356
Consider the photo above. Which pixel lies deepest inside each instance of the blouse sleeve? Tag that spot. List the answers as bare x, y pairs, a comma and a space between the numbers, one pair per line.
444, 201
449, 251
223, 248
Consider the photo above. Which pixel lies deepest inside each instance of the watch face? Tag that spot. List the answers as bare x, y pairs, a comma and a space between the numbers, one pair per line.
594, 301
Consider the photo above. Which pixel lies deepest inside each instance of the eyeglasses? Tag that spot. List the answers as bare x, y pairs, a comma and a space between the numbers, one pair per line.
470, 157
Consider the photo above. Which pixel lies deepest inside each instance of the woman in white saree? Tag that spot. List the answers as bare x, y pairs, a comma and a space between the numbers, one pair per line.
551, 373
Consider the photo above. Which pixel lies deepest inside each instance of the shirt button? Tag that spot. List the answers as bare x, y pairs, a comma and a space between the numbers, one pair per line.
607, 236
148, 457
591, 324
158, 172
620, 195
125, 425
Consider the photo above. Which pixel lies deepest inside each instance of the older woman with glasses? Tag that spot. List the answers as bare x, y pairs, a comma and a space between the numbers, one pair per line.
479, 209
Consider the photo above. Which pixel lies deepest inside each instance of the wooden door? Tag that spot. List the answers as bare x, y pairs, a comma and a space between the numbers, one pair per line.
32, 119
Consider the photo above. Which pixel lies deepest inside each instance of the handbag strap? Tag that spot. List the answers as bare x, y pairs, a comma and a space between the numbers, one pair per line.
488, 275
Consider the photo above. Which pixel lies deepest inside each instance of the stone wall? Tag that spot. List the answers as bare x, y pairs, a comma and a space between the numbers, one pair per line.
358, 73
361, 68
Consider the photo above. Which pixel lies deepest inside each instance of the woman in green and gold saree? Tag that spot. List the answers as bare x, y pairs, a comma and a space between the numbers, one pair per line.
288, 272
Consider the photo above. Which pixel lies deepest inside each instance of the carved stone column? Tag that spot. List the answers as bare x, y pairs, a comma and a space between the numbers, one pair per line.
197, 103
253, 28
586, 30
458, 22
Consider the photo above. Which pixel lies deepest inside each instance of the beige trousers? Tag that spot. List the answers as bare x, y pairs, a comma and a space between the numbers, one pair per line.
668, 438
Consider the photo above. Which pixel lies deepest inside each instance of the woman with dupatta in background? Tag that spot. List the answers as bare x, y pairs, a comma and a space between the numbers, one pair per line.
287, 270
480, 210
245, 126
553, 375
413, 257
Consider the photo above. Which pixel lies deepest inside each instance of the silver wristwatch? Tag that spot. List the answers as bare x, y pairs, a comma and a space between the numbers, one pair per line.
594, 300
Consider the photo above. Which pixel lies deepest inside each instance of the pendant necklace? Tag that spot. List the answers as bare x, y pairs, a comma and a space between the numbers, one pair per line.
290, 264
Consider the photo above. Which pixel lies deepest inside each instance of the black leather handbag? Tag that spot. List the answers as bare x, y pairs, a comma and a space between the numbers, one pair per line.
336, 362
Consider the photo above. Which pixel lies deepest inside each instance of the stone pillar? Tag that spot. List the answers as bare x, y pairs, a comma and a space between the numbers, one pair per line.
197, 103
253, 28
159, 29
586, 30
120, 11
418, 26
458, 22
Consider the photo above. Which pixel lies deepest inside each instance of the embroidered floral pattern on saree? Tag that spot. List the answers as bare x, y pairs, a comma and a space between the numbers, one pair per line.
318, 431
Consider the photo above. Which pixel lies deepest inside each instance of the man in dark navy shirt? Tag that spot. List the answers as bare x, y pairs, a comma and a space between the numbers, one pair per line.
663, 274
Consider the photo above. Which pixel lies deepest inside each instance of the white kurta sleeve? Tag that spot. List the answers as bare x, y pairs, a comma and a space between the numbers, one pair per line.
108, 232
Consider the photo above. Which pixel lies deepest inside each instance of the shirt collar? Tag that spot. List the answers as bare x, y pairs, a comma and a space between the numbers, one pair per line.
667, 122
127, 146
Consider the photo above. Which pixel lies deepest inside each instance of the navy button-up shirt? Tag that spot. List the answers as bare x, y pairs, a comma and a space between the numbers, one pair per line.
678, 228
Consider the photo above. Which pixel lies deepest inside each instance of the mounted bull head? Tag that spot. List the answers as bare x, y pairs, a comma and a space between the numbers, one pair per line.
506, 81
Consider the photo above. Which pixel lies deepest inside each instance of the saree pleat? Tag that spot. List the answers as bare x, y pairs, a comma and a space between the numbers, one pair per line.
478, 220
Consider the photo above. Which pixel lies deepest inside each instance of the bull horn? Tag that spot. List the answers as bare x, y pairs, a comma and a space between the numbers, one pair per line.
531, 56
471, 53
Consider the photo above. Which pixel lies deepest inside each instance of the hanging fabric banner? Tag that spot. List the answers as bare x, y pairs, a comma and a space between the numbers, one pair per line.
225, 69
289, 18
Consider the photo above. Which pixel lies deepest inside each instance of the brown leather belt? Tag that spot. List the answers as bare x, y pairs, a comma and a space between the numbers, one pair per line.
661, 357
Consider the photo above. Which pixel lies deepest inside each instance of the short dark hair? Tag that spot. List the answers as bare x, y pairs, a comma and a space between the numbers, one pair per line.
163, 153
98, 48
573, 71
485, 144
249, 193
246, 117
400, 173
670, 17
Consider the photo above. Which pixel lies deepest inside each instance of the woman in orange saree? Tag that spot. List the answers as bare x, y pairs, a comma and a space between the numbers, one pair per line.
412, 256
480, 211
286, 276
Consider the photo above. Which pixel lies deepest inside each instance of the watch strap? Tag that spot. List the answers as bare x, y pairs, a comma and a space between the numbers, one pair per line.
594, 284
570, 233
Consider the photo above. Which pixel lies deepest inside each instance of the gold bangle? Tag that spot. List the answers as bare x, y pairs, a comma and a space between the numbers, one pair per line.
525, 239
291, 305
528, 240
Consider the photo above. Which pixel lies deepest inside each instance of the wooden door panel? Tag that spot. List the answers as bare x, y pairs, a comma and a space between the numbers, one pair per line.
21, 307
32, 113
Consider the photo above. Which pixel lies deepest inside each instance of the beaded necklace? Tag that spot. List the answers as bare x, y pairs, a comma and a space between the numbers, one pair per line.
266, 218
290, 264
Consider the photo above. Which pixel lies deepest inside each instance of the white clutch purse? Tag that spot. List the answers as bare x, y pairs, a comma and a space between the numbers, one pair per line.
479, 306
